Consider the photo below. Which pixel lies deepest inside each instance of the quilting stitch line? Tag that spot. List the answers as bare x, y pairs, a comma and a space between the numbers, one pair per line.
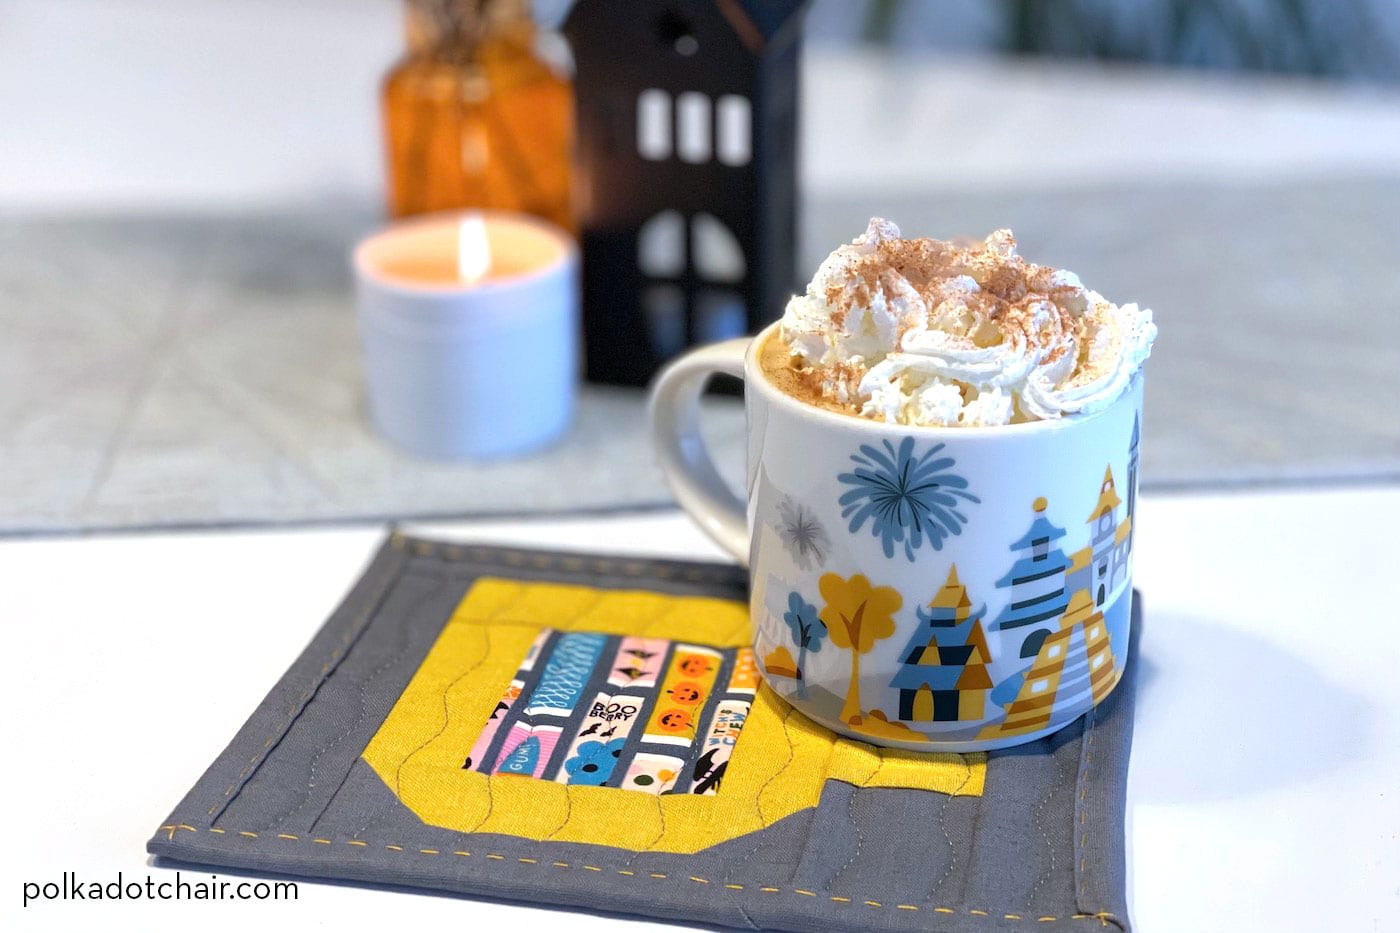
406, 642
446, 708
718, 573
851, 803
943, 827
758, 798
1079, 864
1103, 917
1041, 825
855, 828
356, 631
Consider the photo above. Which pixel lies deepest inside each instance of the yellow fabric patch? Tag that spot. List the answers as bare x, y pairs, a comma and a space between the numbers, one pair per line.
778, 767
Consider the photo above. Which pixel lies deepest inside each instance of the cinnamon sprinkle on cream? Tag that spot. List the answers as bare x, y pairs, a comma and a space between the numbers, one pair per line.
932, 332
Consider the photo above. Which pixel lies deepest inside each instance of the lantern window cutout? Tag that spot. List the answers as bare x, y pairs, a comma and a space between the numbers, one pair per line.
714, 253
677, 263
714, 250
719, 314
654, 124
732, 122
733, 129
693, 127
661, 246
665, 310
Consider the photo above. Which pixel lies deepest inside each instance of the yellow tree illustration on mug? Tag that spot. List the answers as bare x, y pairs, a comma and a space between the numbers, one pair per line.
857, 615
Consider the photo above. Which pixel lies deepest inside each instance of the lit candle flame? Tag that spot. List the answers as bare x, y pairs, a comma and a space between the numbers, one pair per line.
473, 250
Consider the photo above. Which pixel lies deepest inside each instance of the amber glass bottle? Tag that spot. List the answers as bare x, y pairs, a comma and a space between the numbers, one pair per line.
474, 116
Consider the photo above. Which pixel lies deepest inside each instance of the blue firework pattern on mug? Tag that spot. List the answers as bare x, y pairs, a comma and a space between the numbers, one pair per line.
909, 500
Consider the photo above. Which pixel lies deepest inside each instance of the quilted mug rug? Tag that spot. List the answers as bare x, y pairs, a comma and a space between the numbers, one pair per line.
591, 731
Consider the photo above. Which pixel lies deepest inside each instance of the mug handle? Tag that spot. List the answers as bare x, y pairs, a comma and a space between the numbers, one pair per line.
674, 410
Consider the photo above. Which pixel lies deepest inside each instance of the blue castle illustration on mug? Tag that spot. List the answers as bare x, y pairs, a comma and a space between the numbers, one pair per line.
1055, 646
1057, 612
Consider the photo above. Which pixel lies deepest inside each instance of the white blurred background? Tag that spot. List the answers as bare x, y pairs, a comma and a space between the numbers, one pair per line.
147, 104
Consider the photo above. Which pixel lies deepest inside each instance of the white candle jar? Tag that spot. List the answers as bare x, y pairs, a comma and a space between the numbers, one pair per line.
468, 356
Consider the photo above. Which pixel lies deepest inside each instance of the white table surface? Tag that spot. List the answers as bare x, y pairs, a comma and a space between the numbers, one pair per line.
1264, 792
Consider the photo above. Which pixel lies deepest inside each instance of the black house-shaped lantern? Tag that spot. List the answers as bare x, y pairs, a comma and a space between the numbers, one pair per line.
687, 129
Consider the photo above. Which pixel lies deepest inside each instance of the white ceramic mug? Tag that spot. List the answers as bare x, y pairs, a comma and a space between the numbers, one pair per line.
936, 589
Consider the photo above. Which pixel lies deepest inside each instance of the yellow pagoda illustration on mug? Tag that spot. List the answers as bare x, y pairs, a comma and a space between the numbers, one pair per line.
943, 669
1063, 610
1074, 663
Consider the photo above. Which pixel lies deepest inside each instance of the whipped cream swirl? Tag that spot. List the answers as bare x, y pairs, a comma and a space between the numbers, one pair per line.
927, 332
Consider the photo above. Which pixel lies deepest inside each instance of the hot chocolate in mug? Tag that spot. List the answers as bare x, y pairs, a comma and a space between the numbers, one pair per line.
933, 589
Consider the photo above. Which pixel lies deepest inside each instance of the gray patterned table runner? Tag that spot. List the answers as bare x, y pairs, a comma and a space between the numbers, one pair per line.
168, 371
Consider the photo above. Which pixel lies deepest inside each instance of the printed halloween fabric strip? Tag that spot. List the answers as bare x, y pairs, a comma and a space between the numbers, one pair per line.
725, 725
642, 714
